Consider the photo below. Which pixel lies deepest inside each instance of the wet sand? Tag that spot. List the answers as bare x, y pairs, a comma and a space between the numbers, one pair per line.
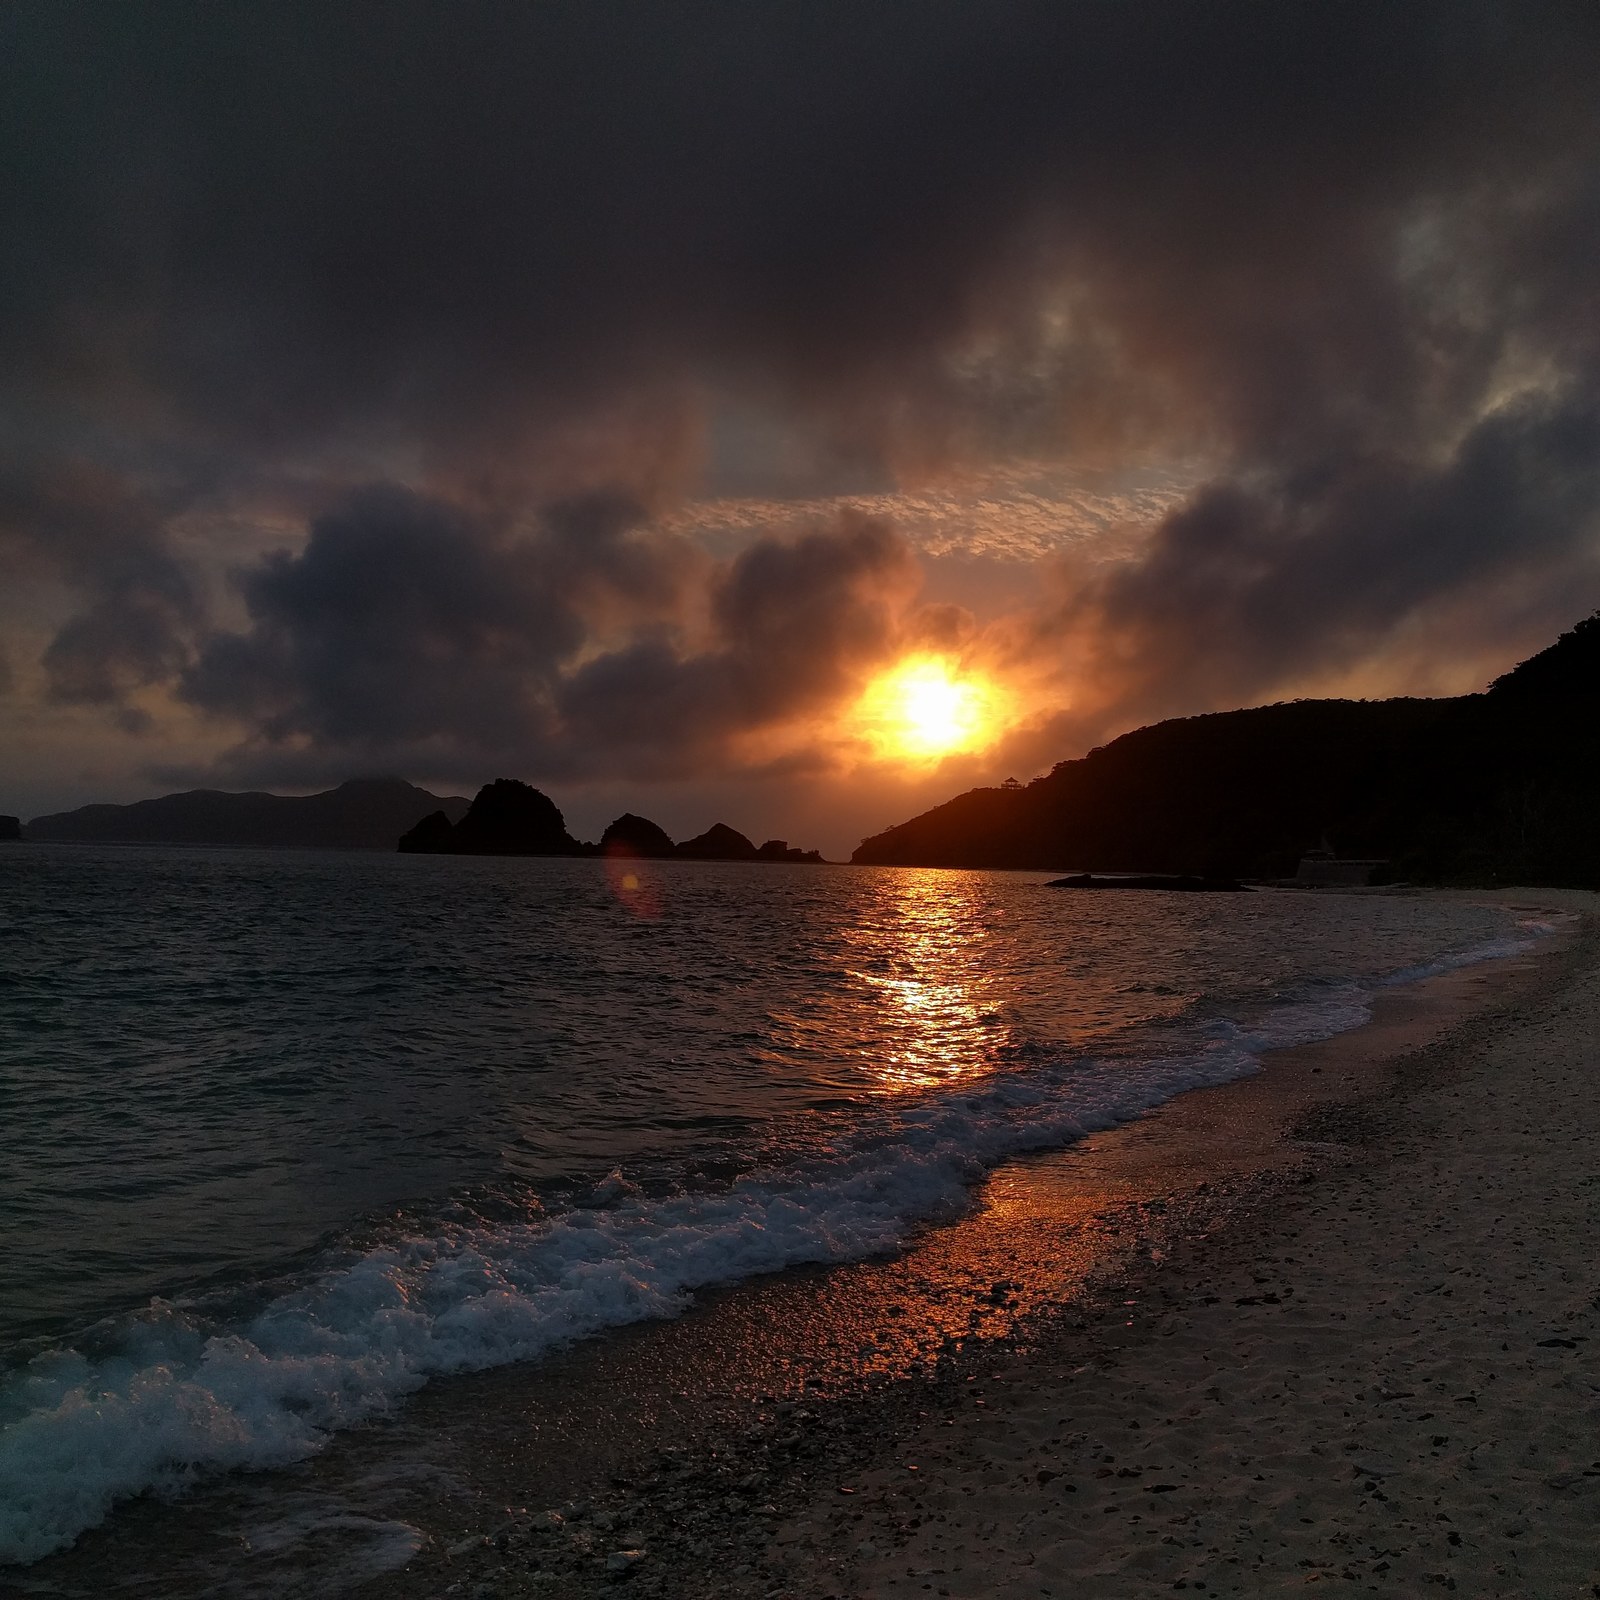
1251, 1301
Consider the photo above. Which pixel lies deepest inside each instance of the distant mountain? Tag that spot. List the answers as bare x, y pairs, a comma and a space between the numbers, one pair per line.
364, 814
1496, 787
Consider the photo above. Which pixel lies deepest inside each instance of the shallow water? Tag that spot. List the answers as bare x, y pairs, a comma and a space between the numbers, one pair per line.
288, 1133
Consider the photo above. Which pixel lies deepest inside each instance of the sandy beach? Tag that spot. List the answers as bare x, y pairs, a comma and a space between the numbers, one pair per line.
1329, 1324
1346, 1339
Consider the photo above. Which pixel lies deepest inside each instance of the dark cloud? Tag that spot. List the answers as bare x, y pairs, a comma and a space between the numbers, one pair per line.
105, 539
411, 634
513, 252
795, 626
443, 221
1256, 583
401, 616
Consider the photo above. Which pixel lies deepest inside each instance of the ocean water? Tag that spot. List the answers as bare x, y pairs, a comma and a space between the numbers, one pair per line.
287, 1134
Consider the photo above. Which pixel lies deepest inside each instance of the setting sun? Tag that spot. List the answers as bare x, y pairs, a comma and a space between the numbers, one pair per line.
921, 709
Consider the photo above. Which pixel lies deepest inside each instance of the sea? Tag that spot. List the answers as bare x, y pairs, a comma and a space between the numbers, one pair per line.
287, 1135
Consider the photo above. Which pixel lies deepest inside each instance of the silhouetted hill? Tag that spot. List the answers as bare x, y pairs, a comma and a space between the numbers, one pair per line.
636, 836
506, 818
10, 828
718, 843
1567, 672
1491, 787
364, 814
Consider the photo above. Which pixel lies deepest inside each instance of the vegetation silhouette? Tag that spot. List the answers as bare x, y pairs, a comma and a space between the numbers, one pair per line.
1497, 787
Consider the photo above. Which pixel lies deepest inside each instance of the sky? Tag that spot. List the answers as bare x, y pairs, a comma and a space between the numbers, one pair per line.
618, 396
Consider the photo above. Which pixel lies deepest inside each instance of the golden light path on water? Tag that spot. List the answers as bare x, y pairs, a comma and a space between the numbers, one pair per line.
908, 1005
925, 965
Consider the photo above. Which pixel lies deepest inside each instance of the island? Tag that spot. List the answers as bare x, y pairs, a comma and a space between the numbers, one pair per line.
510, 818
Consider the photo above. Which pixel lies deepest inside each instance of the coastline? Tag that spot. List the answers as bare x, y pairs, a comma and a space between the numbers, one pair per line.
1268, 1354
716, 1443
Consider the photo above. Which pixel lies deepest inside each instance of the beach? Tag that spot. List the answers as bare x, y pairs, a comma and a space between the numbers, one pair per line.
1351, 1347
1325, 1322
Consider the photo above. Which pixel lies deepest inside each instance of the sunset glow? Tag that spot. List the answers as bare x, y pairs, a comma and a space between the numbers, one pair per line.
923, 710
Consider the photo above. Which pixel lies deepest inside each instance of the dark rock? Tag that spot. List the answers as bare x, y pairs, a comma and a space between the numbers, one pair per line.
508, 818
11, 828
778, 850
431, 836
718, 843
636, 836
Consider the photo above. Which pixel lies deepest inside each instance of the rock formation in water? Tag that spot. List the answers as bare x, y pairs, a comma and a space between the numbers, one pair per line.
779, 850
631, 835
364, 814
10, 829
506, 818
718, 843
1499, 787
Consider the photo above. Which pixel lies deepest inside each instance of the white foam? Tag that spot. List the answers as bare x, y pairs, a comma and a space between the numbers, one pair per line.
183, 1400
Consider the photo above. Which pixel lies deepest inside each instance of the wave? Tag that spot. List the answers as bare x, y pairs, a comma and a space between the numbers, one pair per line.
182, 1397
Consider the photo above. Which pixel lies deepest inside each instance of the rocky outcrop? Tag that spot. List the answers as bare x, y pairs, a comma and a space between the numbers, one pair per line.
718, 843
779, 850
631, 835
506, 818
10, 828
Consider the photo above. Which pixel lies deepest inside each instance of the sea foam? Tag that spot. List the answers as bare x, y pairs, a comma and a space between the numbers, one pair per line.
182, 1398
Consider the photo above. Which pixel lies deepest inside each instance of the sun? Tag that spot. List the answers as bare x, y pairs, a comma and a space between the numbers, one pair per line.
921, 710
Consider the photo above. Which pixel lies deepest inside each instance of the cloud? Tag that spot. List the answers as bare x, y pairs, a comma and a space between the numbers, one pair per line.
529, 262
794, 627
1259, 584
452, 228
104, 538
411, 631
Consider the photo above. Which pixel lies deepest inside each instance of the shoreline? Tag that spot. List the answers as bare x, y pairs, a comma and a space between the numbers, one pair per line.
943, 1476
810, 1367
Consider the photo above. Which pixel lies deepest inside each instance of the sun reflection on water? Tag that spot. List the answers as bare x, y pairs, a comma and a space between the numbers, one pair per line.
920, 954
